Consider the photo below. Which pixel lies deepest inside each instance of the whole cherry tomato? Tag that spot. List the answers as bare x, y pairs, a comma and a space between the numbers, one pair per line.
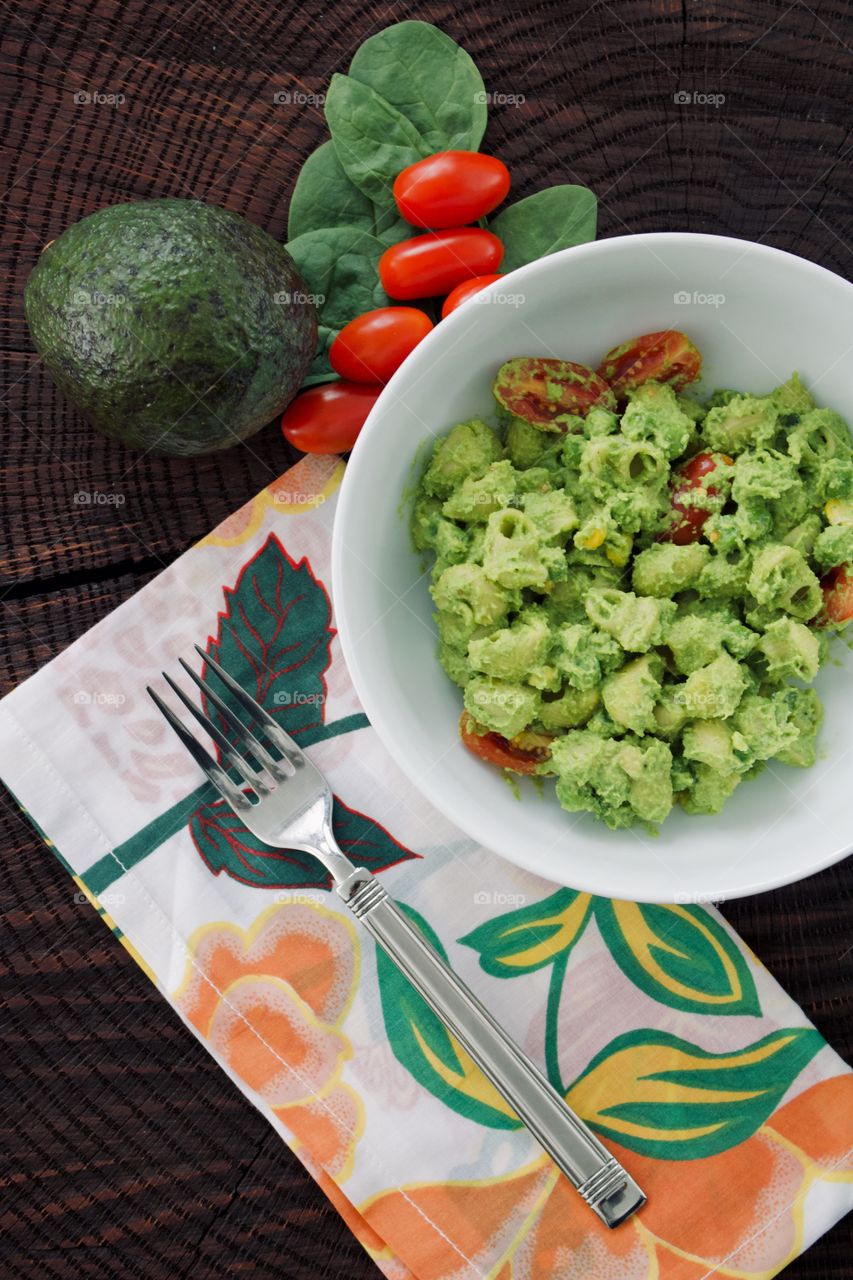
464, 291
374, 345
497, 750
668, 356
540, 389
435, 263
451, 188
689, 518
837, 586
327, 419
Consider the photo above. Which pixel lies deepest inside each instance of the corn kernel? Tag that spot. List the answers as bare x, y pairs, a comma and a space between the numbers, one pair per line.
839, 511
593, 540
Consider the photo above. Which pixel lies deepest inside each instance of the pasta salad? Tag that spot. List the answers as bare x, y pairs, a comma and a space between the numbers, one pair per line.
634, 589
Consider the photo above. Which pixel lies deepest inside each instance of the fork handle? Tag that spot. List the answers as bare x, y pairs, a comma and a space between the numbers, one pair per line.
598, 1177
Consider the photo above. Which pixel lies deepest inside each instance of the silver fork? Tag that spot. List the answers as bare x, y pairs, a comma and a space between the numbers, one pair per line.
286, 802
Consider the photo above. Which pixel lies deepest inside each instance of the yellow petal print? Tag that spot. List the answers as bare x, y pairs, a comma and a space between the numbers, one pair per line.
682, 956
465, 1077
663, 1096
532, 936
303, 488
567, 925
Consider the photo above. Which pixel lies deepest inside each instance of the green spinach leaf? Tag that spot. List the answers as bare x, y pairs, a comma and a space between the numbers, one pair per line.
324, 197
430, 80
373, 140
556, 218
339, 268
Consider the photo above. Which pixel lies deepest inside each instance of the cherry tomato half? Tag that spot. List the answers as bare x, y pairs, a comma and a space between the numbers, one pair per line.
435, 263
328, 419
837, 586
497, 750
464, 291
667, 356
540, 389
451, 188
689, 518
374, 345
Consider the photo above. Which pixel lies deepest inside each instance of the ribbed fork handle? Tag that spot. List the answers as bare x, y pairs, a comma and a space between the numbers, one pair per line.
598, 1177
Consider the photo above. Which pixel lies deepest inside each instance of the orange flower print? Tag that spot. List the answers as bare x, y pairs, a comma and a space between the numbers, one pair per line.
737, 1214
307, 484
271, 1001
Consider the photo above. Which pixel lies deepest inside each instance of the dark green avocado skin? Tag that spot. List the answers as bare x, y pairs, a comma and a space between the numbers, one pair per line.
173, 325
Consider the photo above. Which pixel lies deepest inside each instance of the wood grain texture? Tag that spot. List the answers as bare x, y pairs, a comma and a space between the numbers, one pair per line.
127, 1153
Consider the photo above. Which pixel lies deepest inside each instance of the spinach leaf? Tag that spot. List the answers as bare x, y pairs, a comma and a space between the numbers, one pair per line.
324, 197
553, 219
430, 79
339, 268
373, 140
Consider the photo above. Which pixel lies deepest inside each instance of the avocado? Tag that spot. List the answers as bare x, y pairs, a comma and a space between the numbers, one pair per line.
173, 325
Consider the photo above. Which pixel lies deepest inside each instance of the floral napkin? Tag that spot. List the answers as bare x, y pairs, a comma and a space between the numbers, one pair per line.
656, 1022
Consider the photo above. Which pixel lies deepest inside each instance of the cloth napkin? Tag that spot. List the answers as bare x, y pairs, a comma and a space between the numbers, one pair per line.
656, 1022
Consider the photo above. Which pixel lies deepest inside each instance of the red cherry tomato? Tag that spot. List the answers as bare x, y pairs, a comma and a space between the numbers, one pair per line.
540, 389
837, 588
328, 419
464, 291
451, 188
497, 750
689, 519
374, 345
435, 263
668, 356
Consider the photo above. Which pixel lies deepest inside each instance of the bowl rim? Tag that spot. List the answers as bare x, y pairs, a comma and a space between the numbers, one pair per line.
403, 754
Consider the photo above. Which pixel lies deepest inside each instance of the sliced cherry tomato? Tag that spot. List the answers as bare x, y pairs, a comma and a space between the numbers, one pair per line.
837, 586
437, 262
464, 291
328, 419
451, 188
689, 518
667, 356
374, 345
500, 751
540, 389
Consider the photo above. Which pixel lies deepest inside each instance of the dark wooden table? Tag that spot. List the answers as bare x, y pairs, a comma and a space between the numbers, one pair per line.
127, 1152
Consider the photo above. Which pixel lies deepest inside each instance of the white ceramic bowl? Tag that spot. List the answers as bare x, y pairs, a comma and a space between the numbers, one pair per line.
756, 314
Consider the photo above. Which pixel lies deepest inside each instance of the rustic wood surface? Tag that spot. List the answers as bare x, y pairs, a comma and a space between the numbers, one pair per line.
126, 1151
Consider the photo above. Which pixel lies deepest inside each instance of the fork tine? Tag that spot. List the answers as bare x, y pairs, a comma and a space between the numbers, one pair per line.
256, 747
214, 772
248, 774
282, 740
